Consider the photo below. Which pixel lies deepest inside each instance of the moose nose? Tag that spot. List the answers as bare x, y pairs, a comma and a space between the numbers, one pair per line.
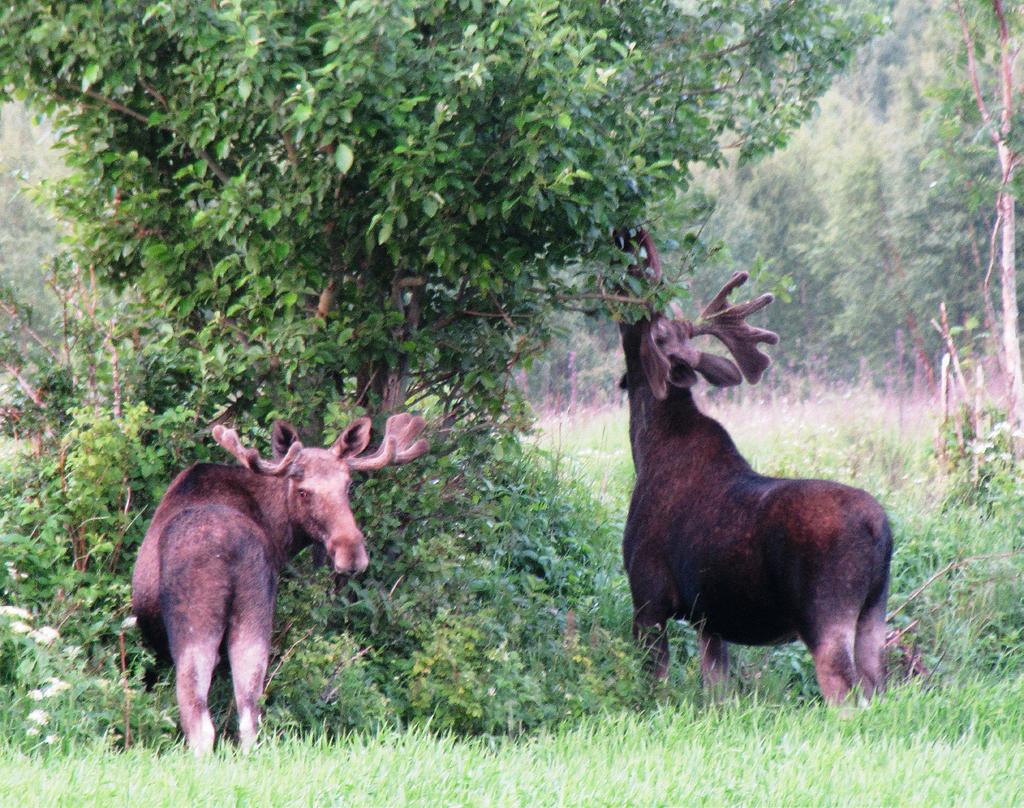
350, 557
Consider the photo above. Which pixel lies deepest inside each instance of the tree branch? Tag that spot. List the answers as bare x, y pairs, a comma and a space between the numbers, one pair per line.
116, 105
1006, 69
606, 296
289, 147
199, 152
30, 391
12, 312
216, 169
154, 93
972, 69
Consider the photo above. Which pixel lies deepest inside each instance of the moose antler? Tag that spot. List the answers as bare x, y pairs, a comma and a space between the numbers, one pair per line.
728, 323
639, 242
250, 458
399, 445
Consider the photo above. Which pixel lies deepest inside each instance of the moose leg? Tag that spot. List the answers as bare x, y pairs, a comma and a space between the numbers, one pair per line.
653, 637
869, 649
249, 633
194, 663
714, 661
248, 655
833, 649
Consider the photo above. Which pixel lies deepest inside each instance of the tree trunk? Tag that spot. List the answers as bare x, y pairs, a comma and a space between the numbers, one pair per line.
387, 381
1011, 339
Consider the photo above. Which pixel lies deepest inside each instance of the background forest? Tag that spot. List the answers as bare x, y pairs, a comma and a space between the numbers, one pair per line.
228, 213
879, 209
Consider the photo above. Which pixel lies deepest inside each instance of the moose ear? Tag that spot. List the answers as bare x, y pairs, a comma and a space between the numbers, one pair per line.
718, 370
282, 436
354, 439
654, 362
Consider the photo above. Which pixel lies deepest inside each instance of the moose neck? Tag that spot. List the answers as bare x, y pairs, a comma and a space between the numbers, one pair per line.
271, 495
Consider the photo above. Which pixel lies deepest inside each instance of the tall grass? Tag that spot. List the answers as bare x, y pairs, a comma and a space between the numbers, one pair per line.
855, 436
912, 748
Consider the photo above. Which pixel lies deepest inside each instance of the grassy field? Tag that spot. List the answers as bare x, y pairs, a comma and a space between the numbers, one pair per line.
913, 748
950, 731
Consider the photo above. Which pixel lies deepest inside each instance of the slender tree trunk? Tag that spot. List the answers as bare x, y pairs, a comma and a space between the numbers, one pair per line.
994, 340
1011, 339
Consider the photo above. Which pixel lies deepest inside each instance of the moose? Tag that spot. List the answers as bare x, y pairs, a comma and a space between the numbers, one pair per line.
744, 558
207, 572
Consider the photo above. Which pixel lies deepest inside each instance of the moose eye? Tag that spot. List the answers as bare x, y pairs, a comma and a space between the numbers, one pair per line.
303, 493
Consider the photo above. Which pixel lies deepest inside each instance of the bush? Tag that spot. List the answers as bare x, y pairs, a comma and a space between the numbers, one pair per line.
55, 694
467, 618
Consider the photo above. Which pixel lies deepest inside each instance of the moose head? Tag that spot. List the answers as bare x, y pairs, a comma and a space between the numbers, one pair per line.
318, 480
664, 346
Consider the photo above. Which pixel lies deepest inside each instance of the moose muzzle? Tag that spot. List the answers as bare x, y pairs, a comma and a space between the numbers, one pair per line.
348, 554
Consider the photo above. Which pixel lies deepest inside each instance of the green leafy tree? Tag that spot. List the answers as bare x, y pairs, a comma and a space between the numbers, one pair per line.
877, 211
377, 200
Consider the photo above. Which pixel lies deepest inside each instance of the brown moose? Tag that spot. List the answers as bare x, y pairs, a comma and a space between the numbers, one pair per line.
207, 572
745, 558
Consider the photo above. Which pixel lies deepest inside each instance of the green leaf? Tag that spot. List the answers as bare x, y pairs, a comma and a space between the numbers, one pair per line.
343, 158
244, 88
271, 216
89, 75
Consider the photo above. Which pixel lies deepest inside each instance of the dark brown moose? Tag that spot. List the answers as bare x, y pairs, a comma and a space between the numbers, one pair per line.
206, 576
745, 558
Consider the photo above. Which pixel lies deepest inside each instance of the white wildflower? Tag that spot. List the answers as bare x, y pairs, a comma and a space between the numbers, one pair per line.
15, 611
45, 635
50, 739
13, 571
40, 717
20, 628
32, 731
55, 686
128, 622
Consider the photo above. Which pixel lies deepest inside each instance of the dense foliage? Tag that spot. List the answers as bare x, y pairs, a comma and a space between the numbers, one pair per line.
376, 200
479, 611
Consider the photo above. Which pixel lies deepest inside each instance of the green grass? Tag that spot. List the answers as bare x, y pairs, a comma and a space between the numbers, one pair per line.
953, 736
916, 747
861, 439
